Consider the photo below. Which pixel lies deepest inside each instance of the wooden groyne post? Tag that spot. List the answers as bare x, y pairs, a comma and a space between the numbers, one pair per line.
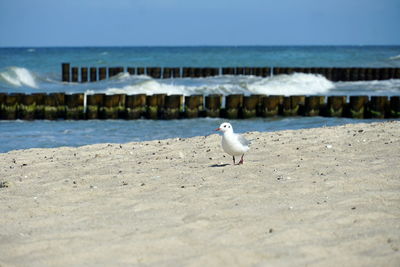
135, 106
233, 106
194, 106
213, 105
70, 74
162, 106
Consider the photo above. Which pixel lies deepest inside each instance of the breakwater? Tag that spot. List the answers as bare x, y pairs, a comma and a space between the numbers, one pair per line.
162, 106
93, 74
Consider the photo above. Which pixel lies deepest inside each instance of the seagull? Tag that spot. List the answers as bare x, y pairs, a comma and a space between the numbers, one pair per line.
232, 143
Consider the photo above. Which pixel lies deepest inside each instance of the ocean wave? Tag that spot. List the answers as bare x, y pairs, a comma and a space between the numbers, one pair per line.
17, 77
395, 57
383, 87
297, 83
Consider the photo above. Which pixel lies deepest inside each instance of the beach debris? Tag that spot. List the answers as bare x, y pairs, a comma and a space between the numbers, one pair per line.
4, 184
328, 146
232, 143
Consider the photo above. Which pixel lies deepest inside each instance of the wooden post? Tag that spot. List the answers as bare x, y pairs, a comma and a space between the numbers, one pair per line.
84, 74
256, 71
233, 106
65, 72
39, 99
228, 71
154, 72
395, 107
131, 71
111, 72
270, 105
197, 73
11, 105
277, 70
213, 105
74, 106
140, 71
93, 74
93, 104
155, 105
194, 106
357, 106
286, 107
297, 103
336, 74
378, 107
187, 72
336, 106
173, 107
265, 72
396, 73
206, 72
214, 71
313, 105
102, 73
167, 73
26, 107
354, 74
74, 71
384, 73
135, 106
239, 71
362, 74
293, 105
120, 70
250, 106
289, 70
113, 107
369, 74
54, 106
2, 105
176, 72
346, 74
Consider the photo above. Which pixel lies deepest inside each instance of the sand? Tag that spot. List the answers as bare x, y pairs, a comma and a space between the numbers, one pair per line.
315, 197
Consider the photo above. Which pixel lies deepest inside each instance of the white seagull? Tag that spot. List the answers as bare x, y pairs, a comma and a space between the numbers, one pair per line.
232, 143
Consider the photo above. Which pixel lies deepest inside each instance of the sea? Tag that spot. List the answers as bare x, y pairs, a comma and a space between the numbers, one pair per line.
38, 70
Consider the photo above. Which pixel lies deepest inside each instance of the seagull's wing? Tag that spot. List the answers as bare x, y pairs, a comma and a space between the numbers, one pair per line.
243, 140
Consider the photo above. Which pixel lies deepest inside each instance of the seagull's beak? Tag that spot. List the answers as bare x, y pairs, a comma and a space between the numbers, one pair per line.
218, 129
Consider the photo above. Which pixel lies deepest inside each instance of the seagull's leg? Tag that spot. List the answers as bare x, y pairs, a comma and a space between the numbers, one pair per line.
241, 160
233, 160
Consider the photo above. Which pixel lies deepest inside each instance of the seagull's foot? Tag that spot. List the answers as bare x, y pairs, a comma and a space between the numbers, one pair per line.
241, 160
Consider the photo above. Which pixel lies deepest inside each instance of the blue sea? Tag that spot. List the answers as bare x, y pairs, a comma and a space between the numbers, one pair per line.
38, 69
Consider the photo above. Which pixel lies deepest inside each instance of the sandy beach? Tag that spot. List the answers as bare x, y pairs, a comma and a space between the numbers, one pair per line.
315, 197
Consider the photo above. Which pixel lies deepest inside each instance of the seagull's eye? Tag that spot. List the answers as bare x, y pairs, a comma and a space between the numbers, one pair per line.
224, 126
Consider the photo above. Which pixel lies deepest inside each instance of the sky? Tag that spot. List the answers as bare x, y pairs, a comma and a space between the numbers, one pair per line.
29, 23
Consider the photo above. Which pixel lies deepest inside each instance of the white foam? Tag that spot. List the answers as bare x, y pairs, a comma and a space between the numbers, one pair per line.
294, 84
297, 83
17, 76
395, 57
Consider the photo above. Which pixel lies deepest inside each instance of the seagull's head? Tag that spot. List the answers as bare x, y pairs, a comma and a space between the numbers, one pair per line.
225, 127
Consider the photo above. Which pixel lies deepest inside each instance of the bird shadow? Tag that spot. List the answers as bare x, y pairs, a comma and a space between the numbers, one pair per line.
219, 165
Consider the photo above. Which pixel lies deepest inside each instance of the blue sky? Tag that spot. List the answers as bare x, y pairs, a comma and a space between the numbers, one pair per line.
200, 22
